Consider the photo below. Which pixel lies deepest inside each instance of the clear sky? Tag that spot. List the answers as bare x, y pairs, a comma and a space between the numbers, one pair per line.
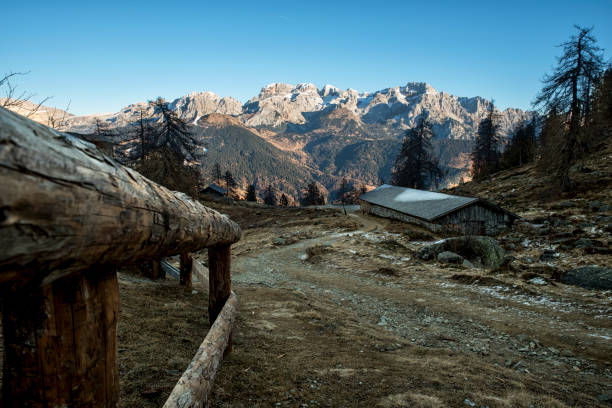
107, 54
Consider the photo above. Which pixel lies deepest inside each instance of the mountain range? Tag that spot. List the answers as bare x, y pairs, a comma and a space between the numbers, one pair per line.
288, 135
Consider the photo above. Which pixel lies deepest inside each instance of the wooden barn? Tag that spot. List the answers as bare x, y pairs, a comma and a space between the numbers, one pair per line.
436, 211
213, 190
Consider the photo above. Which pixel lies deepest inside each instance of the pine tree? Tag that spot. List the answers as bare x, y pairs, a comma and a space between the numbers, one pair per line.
414, 165
251, 193
229, 182
522, 146
568, 90
313, 195
485, 156
142, 135
600, 123
216, 173
145, 133
166, 149
270, 196
103, 132
174, 135
343, 193
284, 201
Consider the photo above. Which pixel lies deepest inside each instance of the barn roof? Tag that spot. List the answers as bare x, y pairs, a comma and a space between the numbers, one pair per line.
426, 205
215, 188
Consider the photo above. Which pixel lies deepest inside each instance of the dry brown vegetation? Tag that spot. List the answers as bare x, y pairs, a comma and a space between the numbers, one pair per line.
345, 331
368, 324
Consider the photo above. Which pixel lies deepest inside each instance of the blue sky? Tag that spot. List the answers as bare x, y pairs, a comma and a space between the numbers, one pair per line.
105, 55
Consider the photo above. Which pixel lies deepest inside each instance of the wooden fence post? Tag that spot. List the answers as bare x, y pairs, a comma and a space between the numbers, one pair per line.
220, 282
186, 268
60, 342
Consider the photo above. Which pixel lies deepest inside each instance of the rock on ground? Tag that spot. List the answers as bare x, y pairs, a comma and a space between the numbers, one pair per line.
450, 257
590, 277
487, 249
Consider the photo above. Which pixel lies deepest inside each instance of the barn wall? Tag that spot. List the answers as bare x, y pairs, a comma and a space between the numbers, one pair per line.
396, 215
475, 219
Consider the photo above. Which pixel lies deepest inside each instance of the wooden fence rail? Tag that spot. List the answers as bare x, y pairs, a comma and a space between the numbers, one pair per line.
69, 217
194, 386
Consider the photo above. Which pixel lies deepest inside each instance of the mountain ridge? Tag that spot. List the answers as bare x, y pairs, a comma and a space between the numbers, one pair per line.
327, 133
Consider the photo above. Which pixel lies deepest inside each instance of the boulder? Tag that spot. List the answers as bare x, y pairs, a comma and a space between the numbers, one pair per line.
584, 243
480, 249
566, 204
596, 205
590, 277
468, 264
450, 257
548, 255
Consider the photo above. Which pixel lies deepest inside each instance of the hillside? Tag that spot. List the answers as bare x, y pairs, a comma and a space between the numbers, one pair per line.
530, 188
250, 158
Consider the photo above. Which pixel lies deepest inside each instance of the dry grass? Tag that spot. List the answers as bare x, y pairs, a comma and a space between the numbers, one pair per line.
161, 326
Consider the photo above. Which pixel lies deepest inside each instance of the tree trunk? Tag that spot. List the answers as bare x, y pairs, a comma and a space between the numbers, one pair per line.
60, 343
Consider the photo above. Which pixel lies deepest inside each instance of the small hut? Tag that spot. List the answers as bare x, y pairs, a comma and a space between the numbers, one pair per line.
436, 211
213, 190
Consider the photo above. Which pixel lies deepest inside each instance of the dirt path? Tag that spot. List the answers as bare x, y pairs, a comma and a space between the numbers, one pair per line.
544, 333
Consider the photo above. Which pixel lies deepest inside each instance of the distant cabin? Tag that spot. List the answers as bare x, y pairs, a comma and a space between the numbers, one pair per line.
213, 190
436, 211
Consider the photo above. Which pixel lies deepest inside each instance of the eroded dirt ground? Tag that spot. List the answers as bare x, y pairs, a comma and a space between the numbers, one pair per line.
337, 311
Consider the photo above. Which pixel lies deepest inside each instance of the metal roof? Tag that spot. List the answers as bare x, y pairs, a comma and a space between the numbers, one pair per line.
426, 205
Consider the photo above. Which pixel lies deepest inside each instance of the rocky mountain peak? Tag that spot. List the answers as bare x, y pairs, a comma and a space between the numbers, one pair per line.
329, 90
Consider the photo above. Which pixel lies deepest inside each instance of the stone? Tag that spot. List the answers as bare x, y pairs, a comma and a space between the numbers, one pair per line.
590, 277
478, 249
595, 205
584, 243
548, 255
566, 204
467, 264
450, 257
538, 281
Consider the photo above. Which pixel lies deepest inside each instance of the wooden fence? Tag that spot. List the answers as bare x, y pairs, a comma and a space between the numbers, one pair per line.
69, 217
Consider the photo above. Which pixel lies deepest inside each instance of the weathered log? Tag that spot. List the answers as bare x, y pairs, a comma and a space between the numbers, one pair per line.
194, 386
60, 343
186, 268
220, 280
65, 207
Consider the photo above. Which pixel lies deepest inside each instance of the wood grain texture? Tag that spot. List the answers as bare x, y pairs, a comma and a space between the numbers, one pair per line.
65, 206
220, 281
186, 268
194, 386
61, 343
